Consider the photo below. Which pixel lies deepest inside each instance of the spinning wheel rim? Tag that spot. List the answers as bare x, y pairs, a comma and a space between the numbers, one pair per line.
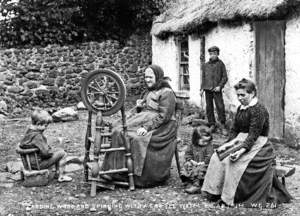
96, 91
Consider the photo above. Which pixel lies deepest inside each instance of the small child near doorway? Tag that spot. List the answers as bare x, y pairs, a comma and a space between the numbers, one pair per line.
197, 157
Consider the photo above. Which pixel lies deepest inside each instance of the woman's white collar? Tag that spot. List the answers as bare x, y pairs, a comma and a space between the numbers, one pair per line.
253, 102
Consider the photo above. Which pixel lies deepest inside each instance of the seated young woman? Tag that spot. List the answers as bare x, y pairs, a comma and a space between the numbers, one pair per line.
248, 175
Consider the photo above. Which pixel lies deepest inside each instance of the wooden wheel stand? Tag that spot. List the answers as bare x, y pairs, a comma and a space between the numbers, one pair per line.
102, 144
103, 92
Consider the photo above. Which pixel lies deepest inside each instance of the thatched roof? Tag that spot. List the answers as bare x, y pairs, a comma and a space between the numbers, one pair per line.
191, 14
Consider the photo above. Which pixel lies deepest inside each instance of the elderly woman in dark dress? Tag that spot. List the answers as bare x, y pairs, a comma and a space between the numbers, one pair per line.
248, 175
151, 131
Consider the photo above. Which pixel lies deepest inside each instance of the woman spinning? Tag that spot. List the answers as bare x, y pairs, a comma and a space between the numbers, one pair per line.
248, 175
151, 133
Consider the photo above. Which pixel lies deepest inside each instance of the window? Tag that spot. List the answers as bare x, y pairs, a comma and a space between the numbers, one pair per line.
184, 82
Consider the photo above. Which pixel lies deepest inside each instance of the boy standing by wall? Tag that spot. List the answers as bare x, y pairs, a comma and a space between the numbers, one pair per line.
214, 77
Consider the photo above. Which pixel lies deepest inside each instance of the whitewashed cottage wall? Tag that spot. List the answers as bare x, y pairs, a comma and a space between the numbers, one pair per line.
194, 68
165, 54
292, 88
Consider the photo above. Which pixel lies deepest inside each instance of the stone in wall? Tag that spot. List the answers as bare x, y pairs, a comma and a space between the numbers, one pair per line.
48, 82
33, 76
15, 89
31, 84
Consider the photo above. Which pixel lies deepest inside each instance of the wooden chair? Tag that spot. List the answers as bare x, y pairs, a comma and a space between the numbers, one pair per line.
32, 177
181, 98
26, 154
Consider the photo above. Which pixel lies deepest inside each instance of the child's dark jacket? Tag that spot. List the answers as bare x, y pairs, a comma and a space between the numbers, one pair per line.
36, 139
213, 75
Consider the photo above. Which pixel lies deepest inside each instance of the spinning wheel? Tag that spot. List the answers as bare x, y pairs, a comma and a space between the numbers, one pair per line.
103, 90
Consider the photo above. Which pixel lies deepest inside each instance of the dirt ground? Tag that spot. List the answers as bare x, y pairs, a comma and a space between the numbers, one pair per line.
74, 199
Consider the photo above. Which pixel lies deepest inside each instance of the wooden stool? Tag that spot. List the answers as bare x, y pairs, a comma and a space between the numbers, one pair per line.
32, 178
284, 171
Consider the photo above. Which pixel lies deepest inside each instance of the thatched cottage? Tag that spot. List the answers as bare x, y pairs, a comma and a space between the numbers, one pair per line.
258, 39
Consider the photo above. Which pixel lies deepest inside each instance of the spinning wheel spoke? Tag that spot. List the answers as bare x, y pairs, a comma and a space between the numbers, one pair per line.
93, 87
99, 86
91, 93
91, 98
111, 97
109, 100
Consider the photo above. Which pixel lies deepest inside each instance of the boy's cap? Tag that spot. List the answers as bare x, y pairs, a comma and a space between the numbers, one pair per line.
213, 49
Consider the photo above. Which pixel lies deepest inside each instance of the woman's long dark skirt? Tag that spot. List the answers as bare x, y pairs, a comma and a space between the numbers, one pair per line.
259, 185
157, 164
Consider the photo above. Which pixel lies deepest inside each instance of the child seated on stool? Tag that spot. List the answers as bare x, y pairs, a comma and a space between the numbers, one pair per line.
47, 157
197, 157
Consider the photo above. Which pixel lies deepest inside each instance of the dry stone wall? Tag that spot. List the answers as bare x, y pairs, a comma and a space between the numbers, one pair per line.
51, 76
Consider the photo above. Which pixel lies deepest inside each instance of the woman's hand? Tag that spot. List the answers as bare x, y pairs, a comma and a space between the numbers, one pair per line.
200, 163
222, 148
139, 103
236, 155
141, 131
225, 146
194, 162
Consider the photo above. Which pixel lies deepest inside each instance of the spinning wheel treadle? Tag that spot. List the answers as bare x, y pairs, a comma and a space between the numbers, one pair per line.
103, 90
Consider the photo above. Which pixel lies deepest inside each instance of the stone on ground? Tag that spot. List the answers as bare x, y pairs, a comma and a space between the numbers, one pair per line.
81, 106
4, 177
36, 178
65, 114
14, 166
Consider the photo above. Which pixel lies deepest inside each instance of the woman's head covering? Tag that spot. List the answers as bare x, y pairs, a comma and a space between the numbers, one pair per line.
161, 80
158, 72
